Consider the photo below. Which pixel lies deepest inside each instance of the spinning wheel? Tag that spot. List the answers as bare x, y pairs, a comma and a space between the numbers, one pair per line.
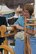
3, 34
3, 29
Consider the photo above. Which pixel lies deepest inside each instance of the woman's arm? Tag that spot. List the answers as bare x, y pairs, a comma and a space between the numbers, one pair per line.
19, 27
31, 32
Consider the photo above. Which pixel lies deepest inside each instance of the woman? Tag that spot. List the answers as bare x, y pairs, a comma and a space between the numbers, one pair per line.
19, 37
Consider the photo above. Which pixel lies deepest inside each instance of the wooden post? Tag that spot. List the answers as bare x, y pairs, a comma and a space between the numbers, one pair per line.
27, 49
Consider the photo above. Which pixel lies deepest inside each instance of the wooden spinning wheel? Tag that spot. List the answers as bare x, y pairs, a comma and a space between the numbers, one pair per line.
3, 29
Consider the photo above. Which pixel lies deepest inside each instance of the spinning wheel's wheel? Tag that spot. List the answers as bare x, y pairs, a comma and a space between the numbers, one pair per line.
3, 34
3, 30
5, 47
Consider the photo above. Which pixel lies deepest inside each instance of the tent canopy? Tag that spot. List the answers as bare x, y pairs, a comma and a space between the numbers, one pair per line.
5, 10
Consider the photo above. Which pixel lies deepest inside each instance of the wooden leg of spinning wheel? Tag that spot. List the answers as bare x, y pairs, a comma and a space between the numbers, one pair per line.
6, 43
